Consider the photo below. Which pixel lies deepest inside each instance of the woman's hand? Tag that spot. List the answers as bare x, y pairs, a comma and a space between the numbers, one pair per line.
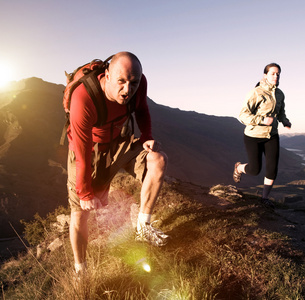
287, 124
268, 121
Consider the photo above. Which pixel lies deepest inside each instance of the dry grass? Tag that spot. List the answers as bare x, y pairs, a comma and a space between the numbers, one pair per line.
214, 253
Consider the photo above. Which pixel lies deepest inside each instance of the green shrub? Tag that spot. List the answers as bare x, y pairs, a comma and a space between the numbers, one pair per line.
37, 230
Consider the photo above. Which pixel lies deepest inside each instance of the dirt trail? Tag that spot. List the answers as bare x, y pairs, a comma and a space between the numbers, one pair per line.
288, 218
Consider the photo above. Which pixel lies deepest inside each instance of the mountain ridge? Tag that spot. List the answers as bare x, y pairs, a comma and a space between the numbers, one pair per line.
202, 149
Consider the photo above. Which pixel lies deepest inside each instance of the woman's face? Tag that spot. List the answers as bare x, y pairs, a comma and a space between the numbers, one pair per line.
273, 75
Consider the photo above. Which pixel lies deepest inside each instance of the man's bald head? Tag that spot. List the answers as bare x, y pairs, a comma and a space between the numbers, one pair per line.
126, 55
122, 78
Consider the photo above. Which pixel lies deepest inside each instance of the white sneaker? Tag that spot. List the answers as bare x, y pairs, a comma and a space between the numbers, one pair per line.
151, 235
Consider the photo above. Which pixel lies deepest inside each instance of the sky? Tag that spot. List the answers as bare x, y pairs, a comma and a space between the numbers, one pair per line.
198, 55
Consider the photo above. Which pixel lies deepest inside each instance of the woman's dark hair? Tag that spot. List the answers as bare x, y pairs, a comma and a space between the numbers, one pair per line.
267, 68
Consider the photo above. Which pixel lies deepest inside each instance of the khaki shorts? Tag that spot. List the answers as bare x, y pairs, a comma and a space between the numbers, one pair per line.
128, 154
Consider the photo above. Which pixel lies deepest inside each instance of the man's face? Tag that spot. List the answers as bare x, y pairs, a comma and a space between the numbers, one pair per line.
122, 80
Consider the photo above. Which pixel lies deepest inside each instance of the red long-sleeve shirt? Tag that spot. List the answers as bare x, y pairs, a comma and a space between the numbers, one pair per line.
82, 134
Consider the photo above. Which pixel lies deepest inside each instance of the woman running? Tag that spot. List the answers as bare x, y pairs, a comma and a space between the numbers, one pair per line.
263, 109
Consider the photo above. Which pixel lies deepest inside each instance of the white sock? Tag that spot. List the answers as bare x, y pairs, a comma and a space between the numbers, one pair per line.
80, 268
142, 219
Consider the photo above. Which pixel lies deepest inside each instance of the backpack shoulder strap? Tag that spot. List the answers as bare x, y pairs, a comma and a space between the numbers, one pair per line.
86, 74
95, 92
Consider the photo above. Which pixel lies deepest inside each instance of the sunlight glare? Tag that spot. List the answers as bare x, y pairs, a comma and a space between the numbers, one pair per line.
6, 73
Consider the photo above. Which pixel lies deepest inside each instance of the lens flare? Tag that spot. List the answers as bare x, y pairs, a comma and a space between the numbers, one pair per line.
144, 264
146, 267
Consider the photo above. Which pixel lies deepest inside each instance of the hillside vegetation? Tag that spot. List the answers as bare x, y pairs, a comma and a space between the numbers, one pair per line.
202, 149
221, 247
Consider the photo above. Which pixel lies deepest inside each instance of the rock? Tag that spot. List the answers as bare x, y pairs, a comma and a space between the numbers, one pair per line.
57, 243
227, 192
39, 250
63, 219
62, 224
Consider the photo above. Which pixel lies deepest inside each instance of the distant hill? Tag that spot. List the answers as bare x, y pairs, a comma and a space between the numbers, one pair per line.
32, 178
294, 141
202, 149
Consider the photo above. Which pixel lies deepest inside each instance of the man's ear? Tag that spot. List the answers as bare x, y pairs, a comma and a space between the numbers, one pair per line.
107, 75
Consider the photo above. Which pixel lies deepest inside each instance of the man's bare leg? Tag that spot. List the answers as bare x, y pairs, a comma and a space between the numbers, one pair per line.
156, 163
79, 235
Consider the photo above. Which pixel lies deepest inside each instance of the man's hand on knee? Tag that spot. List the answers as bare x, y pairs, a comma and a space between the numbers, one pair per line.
152, 145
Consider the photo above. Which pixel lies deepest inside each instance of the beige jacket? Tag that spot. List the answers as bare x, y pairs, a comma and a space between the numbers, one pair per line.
265, 100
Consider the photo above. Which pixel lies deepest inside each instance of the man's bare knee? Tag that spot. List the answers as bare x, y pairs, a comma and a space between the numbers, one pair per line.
79, 218
157, 161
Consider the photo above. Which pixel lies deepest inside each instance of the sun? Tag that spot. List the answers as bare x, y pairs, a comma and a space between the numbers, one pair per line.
6, 73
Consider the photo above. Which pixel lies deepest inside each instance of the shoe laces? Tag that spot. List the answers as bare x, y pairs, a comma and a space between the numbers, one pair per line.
153, 234
156, 231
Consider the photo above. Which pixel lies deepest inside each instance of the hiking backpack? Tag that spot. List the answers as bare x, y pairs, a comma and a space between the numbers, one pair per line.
87, 75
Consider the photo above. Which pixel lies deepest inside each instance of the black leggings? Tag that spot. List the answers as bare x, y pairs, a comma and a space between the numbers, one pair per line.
256, 147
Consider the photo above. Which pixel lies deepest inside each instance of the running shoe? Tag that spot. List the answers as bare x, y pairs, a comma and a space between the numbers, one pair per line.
236, 174
151, 235
267, 203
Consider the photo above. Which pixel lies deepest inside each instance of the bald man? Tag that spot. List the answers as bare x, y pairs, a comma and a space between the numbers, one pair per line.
91, 145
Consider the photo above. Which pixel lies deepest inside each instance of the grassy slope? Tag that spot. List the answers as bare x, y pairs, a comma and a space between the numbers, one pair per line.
219, 249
